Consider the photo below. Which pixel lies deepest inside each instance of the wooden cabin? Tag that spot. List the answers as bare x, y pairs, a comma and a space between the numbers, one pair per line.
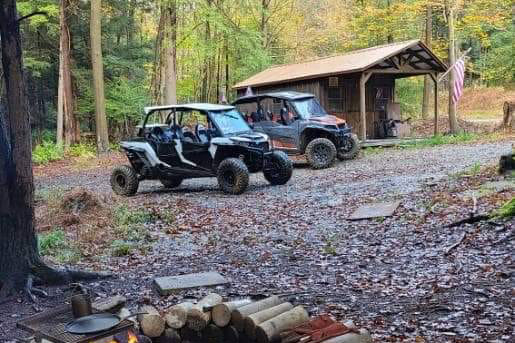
358, 86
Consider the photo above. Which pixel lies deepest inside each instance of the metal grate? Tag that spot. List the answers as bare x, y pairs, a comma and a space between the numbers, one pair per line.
51, 324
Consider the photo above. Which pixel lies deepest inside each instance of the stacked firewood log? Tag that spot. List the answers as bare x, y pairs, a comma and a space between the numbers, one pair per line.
211, 320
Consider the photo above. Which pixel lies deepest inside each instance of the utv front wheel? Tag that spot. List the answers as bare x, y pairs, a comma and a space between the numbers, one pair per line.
350, 148
233, 176
278, 169
171, 182
320, 153
124, 180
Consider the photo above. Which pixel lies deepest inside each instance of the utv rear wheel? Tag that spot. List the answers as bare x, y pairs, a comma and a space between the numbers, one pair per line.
320, 153
279, 169
171, 182
233, 176
124, 180
350, 149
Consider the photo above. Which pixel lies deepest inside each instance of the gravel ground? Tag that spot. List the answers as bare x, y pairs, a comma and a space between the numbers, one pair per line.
392, 275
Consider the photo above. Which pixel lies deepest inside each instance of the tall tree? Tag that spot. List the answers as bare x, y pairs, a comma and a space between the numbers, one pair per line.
450, 11
427, 79
67, 122
95, 32
20, 262
170, 52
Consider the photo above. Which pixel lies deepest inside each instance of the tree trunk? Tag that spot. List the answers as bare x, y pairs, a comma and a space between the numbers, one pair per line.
19, 258
18, 246
453, 122
170, 52
68, 124
427, 79
98, 76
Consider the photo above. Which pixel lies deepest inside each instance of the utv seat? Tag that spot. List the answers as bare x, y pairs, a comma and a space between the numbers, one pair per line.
202, 134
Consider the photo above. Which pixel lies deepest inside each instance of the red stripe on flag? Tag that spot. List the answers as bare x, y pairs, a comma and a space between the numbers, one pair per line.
458, 81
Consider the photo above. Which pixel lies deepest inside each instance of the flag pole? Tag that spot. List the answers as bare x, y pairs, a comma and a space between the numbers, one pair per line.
454, 65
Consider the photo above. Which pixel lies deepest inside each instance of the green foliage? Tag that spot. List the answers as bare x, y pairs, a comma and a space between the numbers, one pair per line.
409, 93
121, 248
47, 152
443, 139
130, 222
126, 99
507, 210
83, 150
56, 245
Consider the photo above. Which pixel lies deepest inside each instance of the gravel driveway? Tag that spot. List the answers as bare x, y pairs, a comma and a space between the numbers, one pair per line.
391, 275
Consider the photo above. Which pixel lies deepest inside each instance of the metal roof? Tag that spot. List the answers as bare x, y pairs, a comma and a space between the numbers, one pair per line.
355, 61
190, 107
287, 95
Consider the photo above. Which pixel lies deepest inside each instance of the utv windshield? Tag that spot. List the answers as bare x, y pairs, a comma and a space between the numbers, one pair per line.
309, 107
230, 122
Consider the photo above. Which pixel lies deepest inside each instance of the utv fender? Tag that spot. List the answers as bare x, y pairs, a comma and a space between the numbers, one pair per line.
146, 149
311, 133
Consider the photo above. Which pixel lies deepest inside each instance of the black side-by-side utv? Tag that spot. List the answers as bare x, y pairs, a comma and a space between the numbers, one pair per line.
194, 141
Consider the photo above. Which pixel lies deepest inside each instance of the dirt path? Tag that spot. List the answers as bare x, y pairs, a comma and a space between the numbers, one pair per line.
391, 275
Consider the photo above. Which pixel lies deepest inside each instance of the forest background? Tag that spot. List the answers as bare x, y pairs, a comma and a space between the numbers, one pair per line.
194, 50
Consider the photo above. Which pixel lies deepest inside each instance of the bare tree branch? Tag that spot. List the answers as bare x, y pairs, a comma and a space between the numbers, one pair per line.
32, 14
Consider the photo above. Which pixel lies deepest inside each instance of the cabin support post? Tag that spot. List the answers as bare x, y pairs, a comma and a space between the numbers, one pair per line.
435, 80
362, 104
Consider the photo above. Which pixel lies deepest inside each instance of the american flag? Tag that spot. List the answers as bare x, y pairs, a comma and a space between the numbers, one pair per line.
458, 80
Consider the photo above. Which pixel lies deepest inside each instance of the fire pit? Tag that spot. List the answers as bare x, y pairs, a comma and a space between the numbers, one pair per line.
50, 326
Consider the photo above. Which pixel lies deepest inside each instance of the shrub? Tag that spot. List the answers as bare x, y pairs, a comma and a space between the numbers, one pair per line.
47, 152
55, 244
121, 248
82, 150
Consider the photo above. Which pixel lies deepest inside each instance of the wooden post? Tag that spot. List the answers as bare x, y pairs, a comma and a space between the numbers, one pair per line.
362, 104
435, 80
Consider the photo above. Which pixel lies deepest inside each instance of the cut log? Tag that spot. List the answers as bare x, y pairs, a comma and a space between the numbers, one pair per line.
213, 334
176, 315
111, 304
198, 315
257, 318
238, 315
270, 330
221, 313
231, 335
189, 335
151, 323
169, 336
362, 337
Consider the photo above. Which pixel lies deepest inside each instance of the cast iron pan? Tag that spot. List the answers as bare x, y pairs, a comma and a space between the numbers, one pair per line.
95, 323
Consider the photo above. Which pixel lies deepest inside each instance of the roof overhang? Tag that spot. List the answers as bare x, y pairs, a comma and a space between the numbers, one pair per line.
402, 59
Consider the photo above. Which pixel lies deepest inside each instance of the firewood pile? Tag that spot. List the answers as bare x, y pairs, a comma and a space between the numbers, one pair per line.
211, 320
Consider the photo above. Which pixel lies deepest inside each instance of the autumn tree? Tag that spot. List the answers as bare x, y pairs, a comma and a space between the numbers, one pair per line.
450, 12
427, 79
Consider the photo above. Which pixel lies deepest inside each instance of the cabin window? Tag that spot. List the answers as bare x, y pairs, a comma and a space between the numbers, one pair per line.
335, 99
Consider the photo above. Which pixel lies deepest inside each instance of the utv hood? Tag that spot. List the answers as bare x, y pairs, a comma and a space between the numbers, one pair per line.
327, 120
250, 137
